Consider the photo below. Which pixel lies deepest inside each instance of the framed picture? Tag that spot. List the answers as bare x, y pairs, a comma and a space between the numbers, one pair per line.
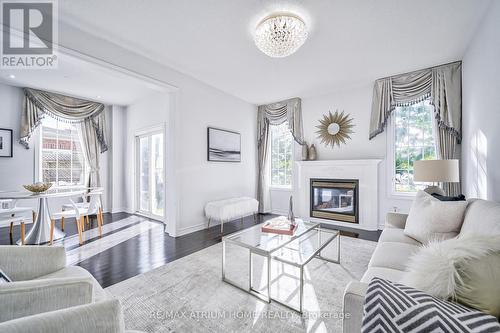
5, 142
223, 145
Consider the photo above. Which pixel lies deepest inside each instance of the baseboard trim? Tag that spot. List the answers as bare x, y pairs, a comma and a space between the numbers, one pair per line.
194, 228
119, 210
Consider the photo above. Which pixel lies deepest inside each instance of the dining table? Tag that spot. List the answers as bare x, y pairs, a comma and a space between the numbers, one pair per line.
40, 231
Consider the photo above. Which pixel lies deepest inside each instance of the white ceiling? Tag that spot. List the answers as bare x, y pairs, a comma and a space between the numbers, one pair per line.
351, 42
78, 77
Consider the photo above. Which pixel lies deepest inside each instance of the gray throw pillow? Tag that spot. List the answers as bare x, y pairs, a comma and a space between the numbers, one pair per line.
3, 277
394, 307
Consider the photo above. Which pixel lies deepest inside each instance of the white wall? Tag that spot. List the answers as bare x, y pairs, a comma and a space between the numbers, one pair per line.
202, 181
481, 110
194, 181
20, 169
150, 112
356, 102
117, 164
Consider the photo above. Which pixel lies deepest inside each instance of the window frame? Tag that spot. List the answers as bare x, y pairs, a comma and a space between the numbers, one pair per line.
391, 154
273, 187
144, 132
38, 170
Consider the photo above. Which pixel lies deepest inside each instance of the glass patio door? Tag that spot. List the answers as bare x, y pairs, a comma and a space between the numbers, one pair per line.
150, 185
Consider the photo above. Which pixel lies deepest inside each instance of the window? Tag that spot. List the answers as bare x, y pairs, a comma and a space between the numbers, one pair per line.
413, 140
61, 157
281, 155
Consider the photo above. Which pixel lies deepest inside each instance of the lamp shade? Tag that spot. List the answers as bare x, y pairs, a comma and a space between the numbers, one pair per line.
446, 171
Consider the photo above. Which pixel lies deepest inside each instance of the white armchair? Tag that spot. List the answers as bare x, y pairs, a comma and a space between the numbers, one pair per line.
25, 298
105, 316
47, 296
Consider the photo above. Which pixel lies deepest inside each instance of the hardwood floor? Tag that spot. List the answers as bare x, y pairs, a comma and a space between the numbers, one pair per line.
132, 244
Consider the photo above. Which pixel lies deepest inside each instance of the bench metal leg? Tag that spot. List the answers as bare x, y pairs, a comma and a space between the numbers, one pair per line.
209, 219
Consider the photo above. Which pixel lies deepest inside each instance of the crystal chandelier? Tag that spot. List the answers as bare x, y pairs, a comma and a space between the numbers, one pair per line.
280, 35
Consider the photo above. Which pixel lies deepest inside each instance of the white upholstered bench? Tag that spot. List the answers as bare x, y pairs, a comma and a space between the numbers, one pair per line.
231, 209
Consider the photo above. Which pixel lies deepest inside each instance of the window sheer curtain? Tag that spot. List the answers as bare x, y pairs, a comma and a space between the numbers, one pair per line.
443, 86
274, 114
90, 116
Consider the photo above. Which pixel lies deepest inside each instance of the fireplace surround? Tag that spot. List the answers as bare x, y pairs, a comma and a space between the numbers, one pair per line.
365, 171
334, 199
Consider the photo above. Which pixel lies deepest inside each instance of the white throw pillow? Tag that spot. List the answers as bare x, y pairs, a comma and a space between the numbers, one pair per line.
465, 268
431, 219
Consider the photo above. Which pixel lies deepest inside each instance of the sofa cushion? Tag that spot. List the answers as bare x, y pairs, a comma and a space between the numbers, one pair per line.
75, 271
482, 217
396, 236
431, 219
381, 272
393, 307
392, 255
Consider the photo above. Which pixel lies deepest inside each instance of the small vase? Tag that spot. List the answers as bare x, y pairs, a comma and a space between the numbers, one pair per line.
291, 216
305, 152
312, 153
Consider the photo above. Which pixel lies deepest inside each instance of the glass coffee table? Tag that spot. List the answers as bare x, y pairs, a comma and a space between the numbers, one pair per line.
307, 243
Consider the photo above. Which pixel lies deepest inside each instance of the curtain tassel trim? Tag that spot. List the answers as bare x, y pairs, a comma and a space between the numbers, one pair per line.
66, 109
413, 102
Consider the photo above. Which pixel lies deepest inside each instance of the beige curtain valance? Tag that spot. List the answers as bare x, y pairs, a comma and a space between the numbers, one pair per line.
277, 113
442, 84
38, 103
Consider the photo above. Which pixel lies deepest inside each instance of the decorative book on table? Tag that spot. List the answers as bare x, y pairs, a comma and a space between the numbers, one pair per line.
279, 225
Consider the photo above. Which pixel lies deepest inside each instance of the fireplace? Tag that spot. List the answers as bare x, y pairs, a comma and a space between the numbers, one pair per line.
335, 199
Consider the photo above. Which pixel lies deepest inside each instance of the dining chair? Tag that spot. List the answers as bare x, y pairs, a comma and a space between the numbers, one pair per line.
95, 201
13, 215
11, 221
95, 208
75, 212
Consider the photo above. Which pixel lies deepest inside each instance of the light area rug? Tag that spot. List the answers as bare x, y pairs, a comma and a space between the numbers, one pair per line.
188, 295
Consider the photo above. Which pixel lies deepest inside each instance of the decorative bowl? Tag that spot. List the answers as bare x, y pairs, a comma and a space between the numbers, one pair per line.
38, 187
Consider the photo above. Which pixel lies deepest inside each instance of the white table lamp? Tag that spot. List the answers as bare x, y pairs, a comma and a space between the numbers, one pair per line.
435, 171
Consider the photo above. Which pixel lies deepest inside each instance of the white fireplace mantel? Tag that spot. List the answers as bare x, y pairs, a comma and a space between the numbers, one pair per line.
366, 171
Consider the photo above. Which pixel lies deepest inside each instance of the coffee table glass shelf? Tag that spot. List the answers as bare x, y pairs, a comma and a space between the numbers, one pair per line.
307, 243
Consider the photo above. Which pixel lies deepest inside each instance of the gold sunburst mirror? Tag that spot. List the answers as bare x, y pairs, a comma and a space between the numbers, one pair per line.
335, 129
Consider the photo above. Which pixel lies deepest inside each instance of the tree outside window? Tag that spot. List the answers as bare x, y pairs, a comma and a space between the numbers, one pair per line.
281, 155
413, 141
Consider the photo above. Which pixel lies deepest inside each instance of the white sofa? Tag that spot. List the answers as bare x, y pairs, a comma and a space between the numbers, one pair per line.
394, 249
48, 296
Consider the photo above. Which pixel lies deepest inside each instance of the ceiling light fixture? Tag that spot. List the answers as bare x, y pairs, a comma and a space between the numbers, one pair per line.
280, 34
12, 76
